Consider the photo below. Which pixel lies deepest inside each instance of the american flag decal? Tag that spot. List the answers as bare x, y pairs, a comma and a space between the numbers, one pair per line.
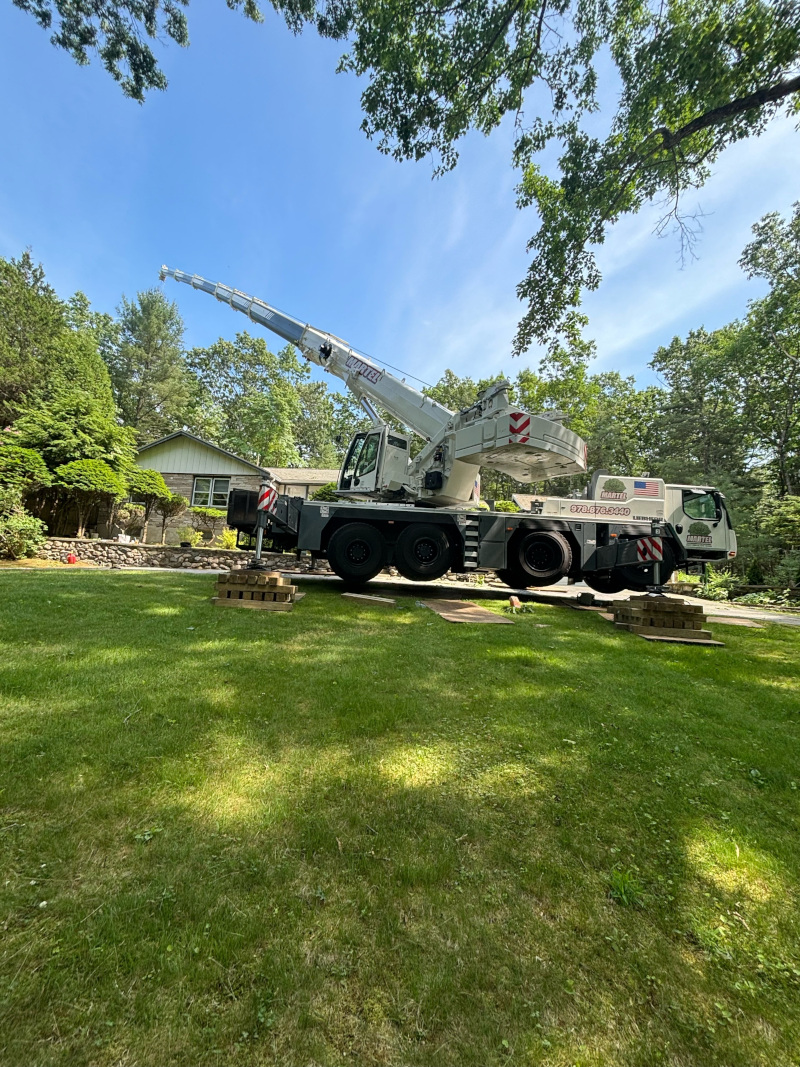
645, 487
267, 499
650, 549
519, 421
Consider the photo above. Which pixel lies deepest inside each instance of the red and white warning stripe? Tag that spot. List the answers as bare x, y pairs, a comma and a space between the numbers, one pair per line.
267, 498
650, 549
519, 422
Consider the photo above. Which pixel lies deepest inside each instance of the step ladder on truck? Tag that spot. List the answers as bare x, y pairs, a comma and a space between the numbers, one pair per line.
421, 514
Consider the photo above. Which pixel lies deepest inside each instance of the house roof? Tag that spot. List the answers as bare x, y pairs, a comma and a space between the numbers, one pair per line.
202, 441
303, 475
282, 475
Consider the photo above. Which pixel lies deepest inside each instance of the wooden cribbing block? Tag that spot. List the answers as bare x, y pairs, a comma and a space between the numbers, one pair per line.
256, 589
660, 619
263, 605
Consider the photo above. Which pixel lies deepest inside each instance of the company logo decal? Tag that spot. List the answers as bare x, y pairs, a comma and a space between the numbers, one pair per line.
372, 374
699, 534
613, 489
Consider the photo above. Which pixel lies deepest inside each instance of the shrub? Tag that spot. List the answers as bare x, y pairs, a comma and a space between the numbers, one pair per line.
717, 585
134, 520
20, 533
505, 505
208, 520
227, 539
170, 507
188, 533
325, 492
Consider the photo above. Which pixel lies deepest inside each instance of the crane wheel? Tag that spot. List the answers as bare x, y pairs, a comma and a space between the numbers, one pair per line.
422, 552
609, 584
638, 578
545, 556
356, 552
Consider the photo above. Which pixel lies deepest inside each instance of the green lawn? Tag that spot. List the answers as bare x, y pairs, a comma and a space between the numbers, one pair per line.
360, 834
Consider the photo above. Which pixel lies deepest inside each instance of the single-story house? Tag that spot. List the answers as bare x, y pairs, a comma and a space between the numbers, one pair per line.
205, 474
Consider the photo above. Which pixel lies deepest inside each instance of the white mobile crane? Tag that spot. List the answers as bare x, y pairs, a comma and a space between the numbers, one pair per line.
419, 514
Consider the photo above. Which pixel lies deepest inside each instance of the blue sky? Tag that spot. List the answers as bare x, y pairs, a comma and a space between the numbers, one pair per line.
251, 169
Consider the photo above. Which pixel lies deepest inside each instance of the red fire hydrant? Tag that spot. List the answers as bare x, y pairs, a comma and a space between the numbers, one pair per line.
72, 558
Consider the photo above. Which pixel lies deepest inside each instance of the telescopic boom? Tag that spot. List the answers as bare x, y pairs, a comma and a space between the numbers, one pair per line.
362, 377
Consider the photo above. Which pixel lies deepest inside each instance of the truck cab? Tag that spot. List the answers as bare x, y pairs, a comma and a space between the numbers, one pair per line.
701, 522
376, 464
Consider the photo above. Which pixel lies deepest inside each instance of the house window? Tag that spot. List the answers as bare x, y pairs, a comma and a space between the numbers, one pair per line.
210, 492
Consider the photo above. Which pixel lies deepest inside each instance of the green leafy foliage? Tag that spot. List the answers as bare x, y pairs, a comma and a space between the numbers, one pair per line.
190, 535
505, 505
253, 395
226, 538
717, 585
118, 31
170, 507
88, 483
152, 386
22, 468
32, 322
690, 80
326, 492
20, 533
148, 487
208, 520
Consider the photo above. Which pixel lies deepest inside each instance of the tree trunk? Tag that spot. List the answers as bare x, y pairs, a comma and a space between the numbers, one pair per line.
82, 513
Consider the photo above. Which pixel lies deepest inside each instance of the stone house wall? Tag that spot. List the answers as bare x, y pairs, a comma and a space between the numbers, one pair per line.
183, 484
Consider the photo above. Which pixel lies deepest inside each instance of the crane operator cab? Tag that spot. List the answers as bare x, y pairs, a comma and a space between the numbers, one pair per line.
700, 519
376, 463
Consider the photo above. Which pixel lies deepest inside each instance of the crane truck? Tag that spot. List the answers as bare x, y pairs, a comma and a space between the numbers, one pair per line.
421, 514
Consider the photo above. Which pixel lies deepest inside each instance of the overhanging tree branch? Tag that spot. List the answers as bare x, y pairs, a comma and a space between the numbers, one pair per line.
730, 110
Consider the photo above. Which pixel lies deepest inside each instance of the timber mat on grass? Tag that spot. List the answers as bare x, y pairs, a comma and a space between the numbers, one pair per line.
351, 835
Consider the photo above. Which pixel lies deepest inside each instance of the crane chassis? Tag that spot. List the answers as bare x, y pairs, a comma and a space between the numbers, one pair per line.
421, 514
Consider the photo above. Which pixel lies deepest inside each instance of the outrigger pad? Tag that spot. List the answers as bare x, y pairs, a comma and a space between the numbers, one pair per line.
463, 611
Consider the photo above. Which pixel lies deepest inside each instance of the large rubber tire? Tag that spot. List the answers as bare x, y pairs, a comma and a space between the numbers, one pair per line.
638, 579
356, 552
545, 556
422, 552
608, 583
514, 577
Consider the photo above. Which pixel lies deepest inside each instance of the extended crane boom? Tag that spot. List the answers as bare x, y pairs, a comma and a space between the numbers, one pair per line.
363, 378
491, 432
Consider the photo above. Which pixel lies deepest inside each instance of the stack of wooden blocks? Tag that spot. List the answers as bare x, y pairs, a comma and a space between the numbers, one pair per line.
256, 589
658, 618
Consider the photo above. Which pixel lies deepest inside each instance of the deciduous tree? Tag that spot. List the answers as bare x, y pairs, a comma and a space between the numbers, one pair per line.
148, 488
254, 393
170, 507
88, 483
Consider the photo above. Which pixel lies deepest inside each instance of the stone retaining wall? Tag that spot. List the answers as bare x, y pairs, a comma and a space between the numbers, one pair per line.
113, 554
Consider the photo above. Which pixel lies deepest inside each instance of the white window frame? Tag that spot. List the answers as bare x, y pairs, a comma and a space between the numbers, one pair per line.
212, 491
